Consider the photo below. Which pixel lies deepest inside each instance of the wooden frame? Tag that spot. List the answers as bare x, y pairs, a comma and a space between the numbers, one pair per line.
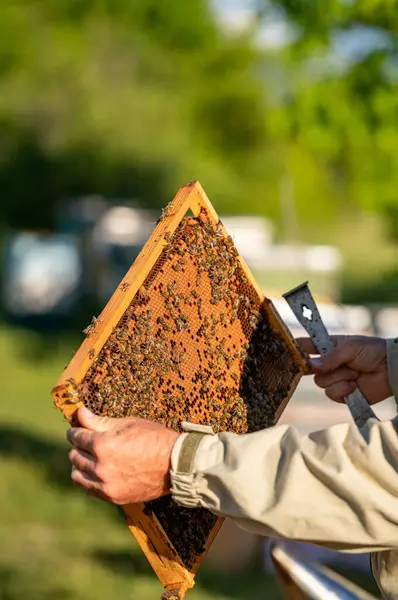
146, 528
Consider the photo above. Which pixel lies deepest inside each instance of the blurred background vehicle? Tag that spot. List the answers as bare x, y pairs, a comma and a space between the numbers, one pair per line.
287, 113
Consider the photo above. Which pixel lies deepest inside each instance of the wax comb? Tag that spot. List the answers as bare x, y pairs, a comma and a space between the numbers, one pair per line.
187, 336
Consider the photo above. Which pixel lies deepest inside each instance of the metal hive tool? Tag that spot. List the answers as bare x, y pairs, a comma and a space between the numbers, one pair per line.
303, 305
301, 580
187, 336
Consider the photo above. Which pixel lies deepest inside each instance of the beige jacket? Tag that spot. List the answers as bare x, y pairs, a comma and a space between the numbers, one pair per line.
337, 487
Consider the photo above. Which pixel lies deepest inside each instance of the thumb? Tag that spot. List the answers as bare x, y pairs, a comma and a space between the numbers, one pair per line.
342, 355
93, 422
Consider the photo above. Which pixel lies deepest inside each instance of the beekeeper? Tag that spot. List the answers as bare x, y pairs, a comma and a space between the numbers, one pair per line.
337, 487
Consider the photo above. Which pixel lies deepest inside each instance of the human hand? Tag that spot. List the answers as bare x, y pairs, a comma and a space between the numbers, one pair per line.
357, 361
122, 461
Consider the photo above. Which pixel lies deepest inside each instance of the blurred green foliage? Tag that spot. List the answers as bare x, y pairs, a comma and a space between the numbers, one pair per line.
132, 99
341, 104
124, 99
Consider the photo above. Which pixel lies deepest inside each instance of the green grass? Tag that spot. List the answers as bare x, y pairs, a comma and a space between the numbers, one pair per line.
56, 543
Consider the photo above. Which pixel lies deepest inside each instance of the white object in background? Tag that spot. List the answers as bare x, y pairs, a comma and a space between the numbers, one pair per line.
322, 258
252, 235
44, 270
358, 320
284, 257
123, 225
387, 322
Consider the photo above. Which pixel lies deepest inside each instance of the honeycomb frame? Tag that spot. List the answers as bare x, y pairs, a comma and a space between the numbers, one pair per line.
144, 524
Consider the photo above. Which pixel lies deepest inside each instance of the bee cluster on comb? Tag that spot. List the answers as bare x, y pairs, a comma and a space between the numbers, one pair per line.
196, 343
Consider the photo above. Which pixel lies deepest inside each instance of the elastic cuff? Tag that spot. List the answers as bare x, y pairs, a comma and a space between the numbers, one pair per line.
183, 479
184, 490
392, 362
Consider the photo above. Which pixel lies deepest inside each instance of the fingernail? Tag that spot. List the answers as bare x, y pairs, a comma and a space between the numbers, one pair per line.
316, 363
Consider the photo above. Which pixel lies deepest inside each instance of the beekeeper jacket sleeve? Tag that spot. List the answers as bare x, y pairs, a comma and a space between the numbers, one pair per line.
337, 487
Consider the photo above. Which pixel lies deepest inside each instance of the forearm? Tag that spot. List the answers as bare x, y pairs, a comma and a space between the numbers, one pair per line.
332, 487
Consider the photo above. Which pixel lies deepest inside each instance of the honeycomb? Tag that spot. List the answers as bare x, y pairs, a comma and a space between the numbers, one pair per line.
196, 342
194, 345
